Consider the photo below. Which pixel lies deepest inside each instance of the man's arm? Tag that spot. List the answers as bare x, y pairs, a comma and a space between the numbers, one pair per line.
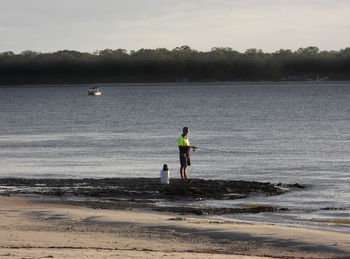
185, 148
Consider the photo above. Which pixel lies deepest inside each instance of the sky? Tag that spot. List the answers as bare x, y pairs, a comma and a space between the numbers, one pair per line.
90, 25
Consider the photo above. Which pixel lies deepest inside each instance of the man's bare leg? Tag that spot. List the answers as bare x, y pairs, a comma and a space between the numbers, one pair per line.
183, 173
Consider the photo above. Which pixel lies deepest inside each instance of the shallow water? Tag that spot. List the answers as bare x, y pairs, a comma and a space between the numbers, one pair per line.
259, 131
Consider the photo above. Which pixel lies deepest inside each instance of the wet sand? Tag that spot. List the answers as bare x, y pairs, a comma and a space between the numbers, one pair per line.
37, 228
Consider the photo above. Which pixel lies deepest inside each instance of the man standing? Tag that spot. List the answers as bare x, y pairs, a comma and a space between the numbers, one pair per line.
184, 148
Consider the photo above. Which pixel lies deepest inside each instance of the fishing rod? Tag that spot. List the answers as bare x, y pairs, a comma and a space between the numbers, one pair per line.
221, 151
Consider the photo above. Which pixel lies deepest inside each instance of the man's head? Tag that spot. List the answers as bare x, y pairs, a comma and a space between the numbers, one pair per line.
185, 131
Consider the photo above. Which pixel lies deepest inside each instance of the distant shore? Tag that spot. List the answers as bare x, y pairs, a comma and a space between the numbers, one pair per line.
102, 83
181, 64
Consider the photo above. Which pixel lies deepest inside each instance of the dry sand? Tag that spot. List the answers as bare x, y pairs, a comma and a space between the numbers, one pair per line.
34, 228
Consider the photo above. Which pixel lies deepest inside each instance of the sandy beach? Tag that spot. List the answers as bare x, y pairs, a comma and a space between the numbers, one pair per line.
35, 228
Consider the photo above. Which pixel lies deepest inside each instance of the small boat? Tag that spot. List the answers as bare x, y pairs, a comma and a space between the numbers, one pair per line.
94, 91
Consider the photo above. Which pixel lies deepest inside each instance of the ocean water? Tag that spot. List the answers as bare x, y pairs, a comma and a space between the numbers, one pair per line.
271, 132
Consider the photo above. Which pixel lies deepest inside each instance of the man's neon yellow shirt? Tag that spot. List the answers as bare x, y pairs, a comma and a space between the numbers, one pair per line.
183, 141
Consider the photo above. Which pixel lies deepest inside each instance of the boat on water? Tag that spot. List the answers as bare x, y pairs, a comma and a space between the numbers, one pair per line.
94, 91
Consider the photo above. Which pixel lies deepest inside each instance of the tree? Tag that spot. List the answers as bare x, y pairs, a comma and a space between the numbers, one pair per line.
156, 65
7, 54
309, 51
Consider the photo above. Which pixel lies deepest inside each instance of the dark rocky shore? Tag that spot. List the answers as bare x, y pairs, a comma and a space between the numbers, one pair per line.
116, 193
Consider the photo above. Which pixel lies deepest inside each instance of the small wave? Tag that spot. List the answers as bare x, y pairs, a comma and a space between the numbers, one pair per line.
340, 221
254, 205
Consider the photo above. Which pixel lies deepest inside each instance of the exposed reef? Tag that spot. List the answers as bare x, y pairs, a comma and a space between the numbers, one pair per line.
116, 193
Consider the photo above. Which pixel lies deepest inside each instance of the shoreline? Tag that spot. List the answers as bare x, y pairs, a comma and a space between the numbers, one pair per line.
101, 84
36, 227
225, 200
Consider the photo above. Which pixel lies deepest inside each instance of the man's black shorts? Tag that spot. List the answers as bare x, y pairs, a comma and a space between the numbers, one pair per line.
185, 159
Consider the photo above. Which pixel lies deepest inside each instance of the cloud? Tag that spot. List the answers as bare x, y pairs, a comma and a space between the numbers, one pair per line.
88, 25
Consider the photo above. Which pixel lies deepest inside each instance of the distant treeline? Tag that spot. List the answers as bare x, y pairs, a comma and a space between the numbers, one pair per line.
181, 64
